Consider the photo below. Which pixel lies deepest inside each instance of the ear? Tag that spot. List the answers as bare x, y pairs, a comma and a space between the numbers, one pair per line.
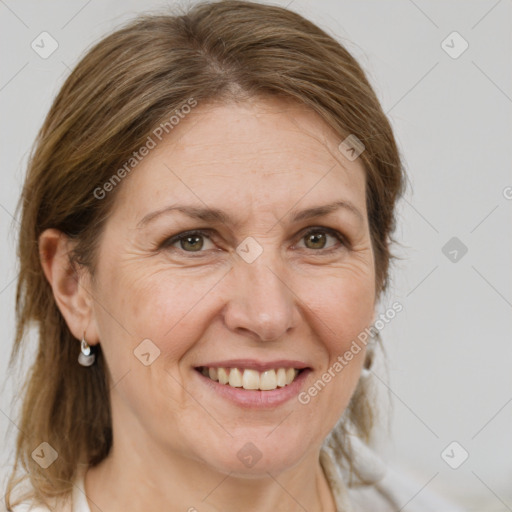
70, 285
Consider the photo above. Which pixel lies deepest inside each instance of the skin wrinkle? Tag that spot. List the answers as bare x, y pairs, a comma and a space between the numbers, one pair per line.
286, 303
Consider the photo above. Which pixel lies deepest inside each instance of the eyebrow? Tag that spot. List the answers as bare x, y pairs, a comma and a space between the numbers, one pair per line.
215, 215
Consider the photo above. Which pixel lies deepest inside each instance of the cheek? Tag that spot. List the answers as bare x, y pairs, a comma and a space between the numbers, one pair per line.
343, 303
157, 304
149, 304
341, 307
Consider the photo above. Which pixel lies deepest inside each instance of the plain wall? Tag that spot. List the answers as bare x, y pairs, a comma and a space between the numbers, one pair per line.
450, 348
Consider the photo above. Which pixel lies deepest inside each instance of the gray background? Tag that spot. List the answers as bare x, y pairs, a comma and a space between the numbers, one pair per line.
450, 349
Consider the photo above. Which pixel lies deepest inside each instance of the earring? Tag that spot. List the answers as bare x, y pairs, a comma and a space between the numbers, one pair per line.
370, 357
368, 363
86, 357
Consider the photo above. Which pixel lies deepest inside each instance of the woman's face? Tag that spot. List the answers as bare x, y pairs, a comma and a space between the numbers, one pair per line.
253, 290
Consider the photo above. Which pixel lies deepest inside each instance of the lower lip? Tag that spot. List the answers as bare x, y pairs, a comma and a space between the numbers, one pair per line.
254, 398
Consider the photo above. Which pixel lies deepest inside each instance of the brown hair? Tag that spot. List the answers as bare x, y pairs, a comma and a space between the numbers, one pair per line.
124, 87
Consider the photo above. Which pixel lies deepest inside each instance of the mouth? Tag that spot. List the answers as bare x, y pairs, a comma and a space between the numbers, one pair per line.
250, 378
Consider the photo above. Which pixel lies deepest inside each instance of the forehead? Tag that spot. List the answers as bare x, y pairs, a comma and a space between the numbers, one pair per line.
270, 132
261, 151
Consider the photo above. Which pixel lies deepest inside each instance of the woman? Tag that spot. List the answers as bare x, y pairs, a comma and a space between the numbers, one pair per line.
205, 235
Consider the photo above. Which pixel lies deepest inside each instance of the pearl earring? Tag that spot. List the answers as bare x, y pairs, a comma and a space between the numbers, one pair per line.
86, 357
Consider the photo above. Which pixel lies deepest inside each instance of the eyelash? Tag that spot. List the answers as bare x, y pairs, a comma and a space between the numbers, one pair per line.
169, 242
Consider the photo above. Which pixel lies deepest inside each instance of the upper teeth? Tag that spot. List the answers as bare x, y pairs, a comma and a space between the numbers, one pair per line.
252, 379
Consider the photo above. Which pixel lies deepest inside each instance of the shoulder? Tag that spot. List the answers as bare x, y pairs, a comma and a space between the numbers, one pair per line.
27, 507
386, 490
74, 502
395, 491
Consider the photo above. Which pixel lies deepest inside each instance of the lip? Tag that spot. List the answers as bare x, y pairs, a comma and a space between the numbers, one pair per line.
253, 398
253, 364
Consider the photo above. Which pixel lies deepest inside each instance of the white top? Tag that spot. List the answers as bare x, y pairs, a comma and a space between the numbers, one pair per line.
389, 492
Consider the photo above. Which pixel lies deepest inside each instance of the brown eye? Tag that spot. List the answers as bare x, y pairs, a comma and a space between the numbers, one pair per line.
316, 239
191, 243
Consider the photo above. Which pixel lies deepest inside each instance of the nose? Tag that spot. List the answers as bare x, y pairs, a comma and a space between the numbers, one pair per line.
261, 301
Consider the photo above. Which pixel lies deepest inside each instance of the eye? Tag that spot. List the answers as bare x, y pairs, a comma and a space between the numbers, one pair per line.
194, 241
190, 241
316, 238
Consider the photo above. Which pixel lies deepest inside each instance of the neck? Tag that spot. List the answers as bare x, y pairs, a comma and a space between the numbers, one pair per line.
133, 479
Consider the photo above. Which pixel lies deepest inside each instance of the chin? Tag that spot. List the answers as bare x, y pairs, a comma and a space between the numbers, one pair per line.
258, 454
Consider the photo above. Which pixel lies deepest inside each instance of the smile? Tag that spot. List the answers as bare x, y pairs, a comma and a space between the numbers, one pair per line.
251, 379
